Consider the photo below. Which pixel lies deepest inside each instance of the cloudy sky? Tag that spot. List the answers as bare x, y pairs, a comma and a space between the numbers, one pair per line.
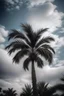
40, 14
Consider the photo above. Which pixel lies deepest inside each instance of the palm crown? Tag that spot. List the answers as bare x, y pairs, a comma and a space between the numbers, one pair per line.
29, 44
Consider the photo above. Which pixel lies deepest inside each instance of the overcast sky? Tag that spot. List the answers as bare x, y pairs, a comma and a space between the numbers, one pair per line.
40, 14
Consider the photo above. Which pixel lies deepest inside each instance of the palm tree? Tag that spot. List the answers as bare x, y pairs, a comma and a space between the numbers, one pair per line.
29, 43
9, 92
27, 91
1, 92
42, 88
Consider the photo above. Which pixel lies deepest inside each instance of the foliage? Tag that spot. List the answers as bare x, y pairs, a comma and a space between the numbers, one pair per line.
8, 92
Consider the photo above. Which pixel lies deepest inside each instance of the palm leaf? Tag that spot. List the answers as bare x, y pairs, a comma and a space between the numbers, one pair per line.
17, 44
39, 62
39, 32
45, 53
17, 34
48, 47
20, 54
14, 34
29, 32
44, 40
26, 63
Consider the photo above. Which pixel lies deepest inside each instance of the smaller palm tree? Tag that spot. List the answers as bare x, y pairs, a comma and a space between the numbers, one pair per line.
9, 92
0, 89
42, 88
27, 91
1, 92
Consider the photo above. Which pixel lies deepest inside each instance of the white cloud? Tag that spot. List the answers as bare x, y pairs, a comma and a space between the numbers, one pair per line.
16, 4
3, 34
49, 74
32, 3
13, 4
1, 39
45, 15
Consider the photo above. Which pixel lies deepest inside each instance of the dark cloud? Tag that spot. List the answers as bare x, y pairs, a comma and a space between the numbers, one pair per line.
7, 69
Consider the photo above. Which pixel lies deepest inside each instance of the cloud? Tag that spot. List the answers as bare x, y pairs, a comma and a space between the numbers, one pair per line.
32, 3
45, 15
13, 4
7, 69
3, 34
49, 74
16, 4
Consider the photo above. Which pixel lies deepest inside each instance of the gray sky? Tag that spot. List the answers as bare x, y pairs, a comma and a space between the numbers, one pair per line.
40, 14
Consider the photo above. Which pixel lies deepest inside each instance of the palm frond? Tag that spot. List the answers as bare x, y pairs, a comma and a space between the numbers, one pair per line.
45, 53
37, 34
44, 40
41, 31
16, 34
17, 44
20, 54
39, 62
29, 32
48, 47
26, 63
41, 42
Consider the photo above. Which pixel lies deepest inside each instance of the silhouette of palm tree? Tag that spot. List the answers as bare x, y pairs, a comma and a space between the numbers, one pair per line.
42, 88
29, 43
27, 91
9, 92
0, 89
1, 92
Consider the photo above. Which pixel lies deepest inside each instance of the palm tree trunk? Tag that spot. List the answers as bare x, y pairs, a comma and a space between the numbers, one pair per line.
34, 84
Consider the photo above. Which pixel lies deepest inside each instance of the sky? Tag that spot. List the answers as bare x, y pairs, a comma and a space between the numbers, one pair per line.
39, 14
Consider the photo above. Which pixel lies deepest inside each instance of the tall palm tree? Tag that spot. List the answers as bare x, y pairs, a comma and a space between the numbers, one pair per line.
29, 43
